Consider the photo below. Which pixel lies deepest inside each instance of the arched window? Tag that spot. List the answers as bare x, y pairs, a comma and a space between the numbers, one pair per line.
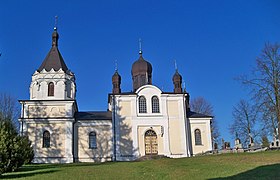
142, 105
197, 136
92, 140
51, 89
155, 104
68, 89
46, 139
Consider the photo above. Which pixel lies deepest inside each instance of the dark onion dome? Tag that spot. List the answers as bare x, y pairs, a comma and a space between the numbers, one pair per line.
116, 81
116, 77
177, 77
141, 66
177, 81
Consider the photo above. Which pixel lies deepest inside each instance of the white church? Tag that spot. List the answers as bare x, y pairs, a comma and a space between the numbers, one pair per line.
143, 122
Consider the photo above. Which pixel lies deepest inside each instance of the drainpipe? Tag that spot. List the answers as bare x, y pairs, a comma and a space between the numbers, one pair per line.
22, 118
114, 128
187, 130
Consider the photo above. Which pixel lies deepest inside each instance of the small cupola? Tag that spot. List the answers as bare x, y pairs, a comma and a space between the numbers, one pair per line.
116, 82
177, 81
55, 37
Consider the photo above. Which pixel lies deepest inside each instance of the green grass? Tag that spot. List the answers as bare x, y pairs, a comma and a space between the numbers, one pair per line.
263, 165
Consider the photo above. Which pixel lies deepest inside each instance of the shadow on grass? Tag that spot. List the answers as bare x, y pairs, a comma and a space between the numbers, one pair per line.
15, 175
262, 172
35, 169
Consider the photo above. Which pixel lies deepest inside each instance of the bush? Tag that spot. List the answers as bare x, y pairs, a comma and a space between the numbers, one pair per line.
15, 150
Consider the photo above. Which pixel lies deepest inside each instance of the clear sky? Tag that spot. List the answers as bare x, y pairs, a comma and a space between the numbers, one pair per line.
212, 42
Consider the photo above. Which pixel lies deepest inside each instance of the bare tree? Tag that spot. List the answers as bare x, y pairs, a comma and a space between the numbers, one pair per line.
201, 105
9, 110
265, 84
245, 117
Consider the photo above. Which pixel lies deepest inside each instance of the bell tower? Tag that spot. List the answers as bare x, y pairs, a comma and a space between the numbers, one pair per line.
47, 117
53, 80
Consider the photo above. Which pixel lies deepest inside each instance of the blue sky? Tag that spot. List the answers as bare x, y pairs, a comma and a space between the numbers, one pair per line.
212, 41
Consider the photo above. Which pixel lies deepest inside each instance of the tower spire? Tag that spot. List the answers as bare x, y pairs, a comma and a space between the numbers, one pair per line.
116, 80
55, 23
140, 46
55, 34
175, 64
116, 65
177, 80
184, 86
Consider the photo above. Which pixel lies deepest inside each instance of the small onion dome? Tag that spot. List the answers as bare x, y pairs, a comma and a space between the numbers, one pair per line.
55, 37
177, 77
141, 66
116, 77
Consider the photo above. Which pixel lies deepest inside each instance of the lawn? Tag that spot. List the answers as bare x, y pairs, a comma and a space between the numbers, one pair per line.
263, 165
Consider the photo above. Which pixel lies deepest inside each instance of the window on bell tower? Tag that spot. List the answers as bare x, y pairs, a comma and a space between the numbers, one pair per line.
51, 89
46, 139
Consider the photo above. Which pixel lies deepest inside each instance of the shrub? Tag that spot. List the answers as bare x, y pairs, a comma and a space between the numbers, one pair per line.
15, 150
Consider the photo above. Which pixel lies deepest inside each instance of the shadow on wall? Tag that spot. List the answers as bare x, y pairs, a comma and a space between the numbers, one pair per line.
262, 172
125, 149
55, 152
105, 146
102, 152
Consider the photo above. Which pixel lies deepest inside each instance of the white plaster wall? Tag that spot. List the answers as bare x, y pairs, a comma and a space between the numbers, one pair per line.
104, 150
60, 125
203, 124
40, 81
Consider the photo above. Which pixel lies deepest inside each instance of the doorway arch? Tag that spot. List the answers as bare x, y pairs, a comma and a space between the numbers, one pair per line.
151, 143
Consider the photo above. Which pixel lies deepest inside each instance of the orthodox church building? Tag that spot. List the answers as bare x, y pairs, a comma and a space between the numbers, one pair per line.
144, 121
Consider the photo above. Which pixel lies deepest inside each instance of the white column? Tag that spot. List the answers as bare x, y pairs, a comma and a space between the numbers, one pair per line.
135, 140
166, 126
69, 141
209, 135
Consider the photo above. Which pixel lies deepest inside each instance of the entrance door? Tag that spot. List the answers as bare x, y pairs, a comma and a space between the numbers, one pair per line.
151, 146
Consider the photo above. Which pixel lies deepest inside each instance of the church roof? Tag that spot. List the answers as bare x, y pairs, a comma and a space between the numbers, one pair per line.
94, 115
192, 114
53, 59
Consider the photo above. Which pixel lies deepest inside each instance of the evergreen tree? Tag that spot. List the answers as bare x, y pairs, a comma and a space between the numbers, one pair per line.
15, 150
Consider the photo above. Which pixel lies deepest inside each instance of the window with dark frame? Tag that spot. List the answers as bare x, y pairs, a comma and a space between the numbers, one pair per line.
197, 135
92, 140
51, 89
155, 104
142, 105
46, 139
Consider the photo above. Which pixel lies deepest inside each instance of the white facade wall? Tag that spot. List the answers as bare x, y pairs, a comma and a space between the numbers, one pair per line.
170, 124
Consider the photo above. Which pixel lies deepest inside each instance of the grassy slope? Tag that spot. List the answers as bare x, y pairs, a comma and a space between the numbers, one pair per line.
264, 165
